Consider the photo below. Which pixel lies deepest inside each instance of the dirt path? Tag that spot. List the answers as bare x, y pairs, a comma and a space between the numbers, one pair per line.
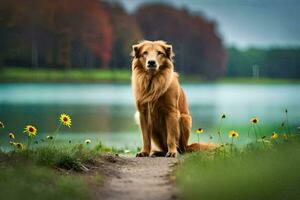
130, 178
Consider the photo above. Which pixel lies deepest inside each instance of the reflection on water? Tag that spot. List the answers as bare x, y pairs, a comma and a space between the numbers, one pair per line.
105, 111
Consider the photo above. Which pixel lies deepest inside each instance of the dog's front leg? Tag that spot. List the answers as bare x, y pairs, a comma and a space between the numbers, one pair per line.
146, 137
172, 124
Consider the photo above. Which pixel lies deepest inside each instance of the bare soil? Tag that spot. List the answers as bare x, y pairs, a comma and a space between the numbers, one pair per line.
131, 178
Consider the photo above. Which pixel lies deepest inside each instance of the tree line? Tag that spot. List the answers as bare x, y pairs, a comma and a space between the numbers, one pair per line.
89, 34
271, 63
99, 34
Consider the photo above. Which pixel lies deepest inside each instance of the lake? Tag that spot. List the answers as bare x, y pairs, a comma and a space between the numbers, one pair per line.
105, 112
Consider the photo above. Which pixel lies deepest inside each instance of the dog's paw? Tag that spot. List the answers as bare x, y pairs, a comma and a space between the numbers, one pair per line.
171, 154
142, 154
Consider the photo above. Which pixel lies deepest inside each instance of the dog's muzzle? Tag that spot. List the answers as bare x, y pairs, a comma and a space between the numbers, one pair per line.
151, 65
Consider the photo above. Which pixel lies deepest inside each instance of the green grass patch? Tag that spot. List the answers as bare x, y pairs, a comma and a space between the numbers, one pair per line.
255, 172
49, 172
17, 74
11, 74
27, 181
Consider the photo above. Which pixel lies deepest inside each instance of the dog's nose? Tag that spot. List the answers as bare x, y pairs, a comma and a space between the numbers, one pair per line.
151, 62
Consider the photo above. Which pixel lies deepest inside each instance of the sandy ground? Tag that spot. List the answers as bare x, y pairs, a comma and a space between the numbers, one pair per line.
131, 178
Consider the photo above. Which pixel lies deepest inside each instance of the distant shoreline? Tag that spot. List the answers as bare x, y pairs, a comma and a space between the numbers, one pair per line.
23, 75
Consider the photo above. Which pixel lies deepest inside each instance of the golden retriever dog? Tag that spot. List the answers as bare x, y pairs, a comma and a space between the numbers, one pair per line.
162, 106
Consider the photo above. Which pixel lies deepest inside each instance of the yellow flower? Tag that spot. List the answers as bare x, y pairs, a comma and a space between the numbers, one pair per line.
223, 116
274, 136
11, 136
233, 134
30, 130
1, 125
19, 146
200, 130
254, 120
87, 141
65, 120
49, 137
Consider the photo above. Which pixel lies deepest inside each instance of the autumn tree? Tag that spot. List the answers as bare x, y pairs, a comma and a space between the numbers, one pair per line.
58, 33
197, 46
125, 33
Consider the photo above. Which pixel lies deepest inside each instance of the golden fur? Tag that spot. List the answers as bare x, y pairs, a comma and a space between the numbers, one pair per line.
162, 105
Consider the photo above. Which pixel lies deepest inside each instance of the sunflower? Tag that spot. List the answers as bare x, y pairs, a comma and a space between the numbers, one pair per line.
274, 136
19, 146
11, 136
65, 120
87, 141
223, 116
233, 134
200, 130
30, 130
254, 120
1, 125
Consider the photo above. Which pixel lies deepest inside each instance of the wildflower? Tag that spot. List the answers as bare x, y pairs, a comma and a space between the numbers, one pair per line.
49, 137
254, 120
11, 136
30, 130
1, 125
274, 136
200, 130
65, 120
19, 146
223, 116
233, 134
87, 141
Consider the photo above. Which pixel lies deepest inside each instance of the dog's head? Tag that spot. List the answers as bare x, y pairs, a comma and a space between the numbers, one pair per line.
153, 55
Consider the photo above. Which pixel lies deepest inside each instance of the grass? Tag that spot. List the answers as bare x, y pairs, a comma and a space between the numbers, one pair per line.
50, 171
17, 74
28, 181
11, 74
253, 172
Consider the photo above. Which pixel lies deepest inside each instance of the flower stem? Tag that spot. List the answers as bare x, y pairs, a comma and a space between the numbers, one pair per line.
287, 123
255, 132
219, 130
55, 134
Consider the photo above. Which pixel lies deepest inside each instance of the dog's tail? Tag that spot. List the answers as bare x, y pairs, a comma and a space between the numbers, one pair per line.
195, 147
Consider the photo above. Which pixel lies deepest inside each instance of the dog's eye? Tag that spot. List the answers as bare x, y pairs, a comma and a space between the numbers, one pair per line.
160, 53
145, 53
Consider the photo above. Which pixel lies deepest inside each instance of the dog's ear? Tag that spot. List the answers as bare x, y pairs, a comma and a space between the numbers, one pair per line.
135, 50
169, 51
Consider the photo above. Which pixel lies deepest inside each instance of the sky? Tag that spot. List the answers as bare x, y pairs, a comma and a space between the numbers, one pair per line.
245, 23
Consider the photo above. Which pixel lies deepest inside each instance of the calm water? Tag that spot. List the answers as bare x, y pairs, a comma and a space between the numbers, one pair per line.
105, 111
